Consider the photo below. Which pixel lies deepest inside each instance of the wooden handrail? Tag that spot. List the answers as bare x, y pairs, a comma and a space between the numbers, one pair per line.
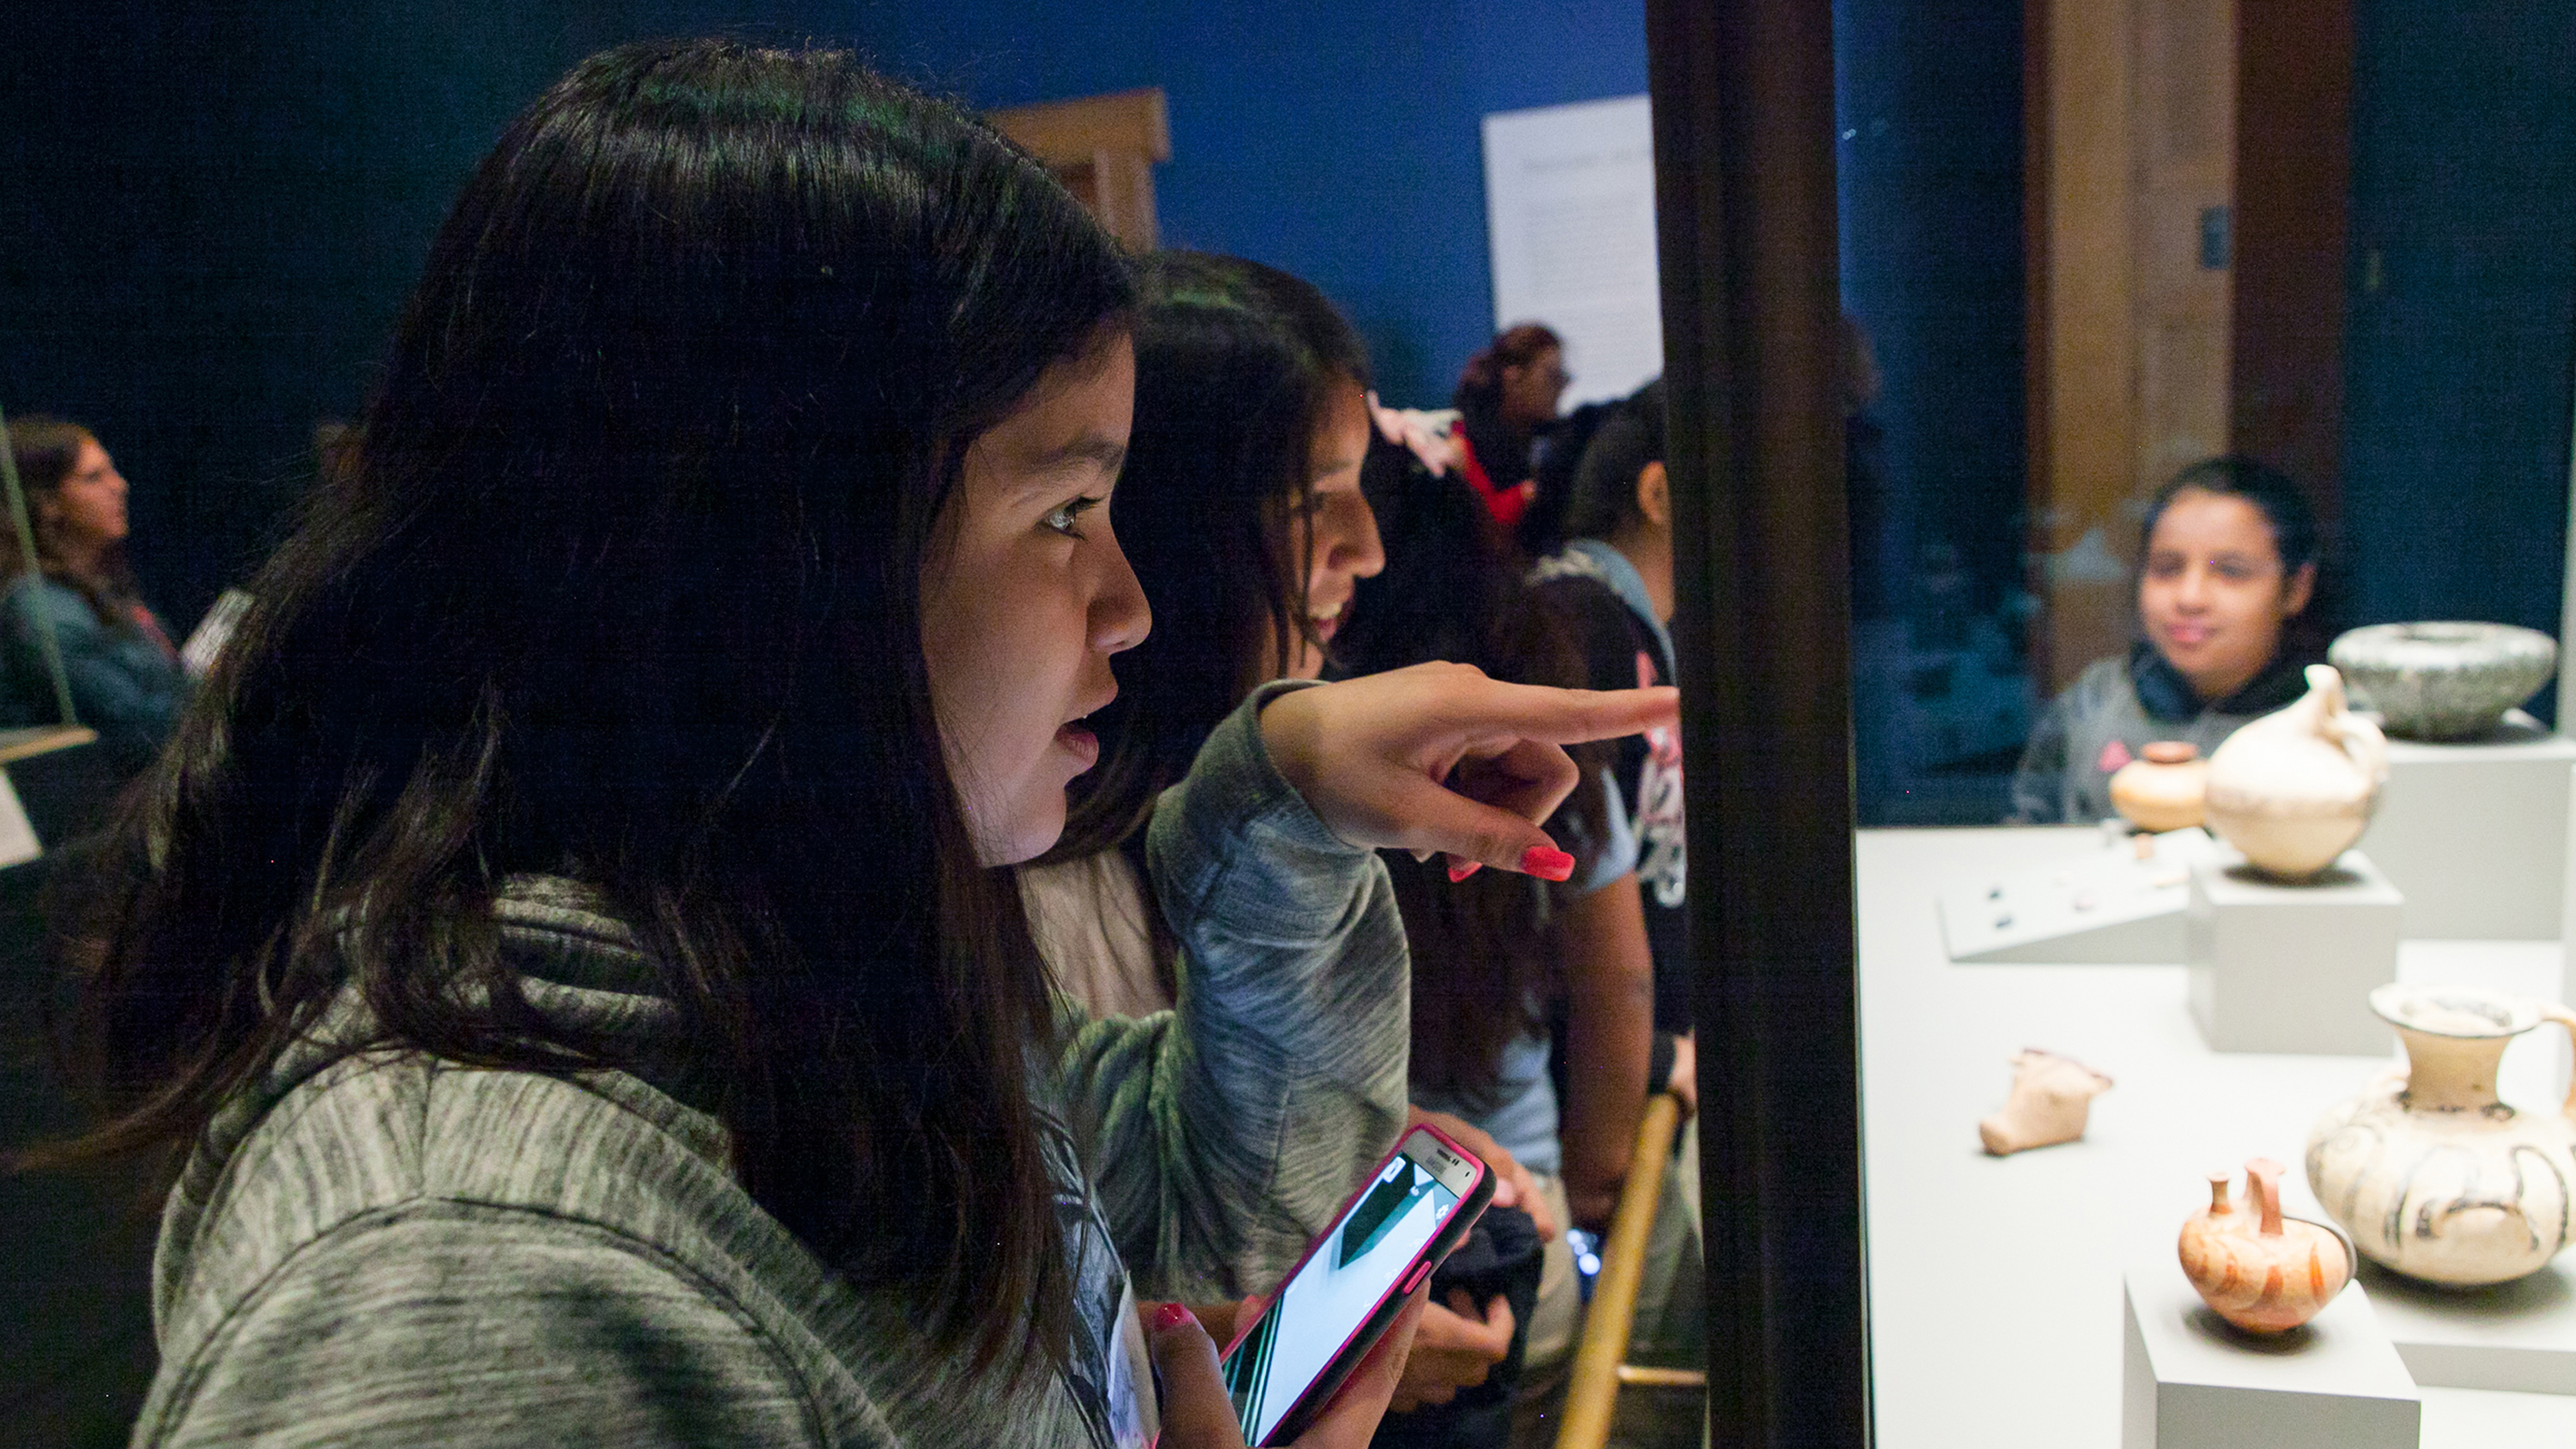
1592, 1391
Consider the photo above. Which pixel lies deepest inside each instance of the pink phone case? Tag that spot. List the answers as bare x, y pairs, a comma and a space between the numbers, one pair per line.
1319, 1394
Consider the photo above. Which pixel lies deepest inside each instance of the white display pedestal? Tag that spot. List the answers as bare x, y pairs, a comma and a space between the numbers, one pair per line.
2289, 968
2475, 834
2189, 1381
2100, 906
2518, 1336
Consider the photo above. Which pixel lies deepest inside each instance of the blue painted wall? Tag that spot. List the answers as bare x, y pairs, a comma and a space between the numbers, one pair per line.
1337, 141
2461, 333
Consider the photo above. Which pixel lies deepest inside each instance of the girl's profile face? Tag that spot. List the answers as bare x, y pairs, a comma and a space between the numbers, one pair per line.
2214, 595
1337, 535
89, 507
1025, 598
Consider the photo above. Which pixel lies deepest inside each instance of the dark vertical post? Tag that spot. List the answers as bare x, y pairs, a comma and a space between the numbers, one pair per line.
1743, 97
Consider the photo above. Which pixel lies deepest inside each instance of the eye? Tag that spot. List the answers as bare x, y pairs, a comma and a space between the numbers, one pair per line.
1066, 518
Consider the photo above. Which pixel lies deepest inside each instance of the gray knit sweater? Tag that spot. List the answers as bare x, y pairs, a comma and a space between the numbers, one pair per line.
395, 1250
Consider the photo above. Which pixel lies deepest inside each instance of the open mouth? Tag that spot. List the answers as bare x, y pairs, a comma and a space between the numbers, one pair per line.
1325, 622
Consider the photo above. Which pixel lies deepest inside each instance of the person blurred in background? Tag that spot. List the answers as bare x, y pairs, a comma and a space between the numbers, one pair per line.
125, 676
1506, 396
1495, 958
2227, 571
1612, 588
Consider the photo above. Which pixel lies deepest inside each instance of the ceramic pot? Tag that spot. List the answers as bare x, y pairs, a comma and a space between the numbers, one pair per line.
2261, 1271
2162, 789
2444, 680
2434, 1176
2295, 789
2051, 1098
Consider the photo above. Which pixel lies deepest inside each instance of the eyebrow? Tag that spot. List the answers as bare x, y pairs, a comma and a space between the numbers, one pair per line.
1108, 453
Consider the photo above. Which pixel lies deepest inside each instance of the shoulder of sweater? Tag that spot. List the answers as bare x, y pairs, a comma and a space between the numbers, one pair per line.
389, 1132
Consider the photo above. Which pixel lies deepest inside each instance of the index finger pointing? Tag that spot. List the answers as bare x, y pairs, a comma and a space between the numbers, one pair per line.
1571, 716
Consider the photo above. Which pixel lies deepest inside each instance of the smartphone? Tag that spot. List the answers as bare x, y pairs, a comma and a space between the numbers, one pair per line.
1284, 1368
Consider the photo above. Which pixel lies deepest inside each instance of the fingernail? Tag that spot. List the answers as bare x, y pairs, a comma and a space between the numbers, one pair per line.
1460, 870
1170, 1316
1547, 863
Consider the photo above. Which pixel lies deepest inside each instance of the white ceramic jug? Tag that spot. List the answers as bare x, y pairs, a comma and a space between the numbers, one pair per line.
2433, 1175
2295, 789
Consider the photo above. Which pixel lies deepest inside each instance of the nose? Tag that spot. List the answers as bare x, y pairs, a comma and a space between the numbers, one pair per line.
1351, 544
1120, 616
2191, 591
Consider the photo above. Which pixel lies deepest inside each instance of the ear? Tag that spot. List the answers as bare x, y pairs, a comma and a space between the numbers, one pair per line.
2302, 587
1655, 495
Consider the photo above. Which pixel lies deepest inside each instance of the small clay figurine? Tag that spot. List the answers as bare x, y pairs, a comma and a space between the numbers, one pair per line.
2051, 1096
2162, 788
2255, 1268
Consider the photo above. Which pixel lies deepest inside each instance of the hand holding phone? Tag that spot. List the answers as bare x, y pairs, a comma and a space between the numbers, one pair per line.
1287, 1362
1198, 1414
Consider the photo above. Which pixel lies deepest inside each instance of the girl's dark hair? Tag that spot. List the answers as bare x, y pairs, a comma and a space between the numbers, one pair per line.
1605, 482
1235, 365
1480, 384
46, 450
1484, 950
621, 583
2283, 504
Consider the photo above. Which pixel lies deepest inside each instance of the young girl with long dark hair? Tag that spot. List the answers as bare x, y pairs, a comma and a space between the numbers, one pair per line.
563, 944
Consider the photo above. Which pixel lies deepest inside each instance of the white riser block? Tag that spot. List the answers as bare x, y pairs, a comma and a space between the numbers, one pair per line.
2289, 967
2189, 1381
2475, 834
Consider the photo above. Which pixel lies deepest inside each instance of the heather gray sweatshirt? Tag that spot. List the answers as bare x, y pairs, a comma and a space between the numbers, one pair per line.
396, 1250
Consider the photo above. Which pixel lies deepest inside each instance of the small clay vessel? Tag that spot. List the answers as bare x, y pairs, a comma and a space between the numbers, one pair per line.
2162, 789
2294, 789
2051, 1097
2261, 1271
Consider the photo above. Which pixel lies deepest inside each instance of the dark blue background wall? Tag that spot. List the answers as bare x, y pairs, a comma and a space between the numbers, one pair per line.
1338, 141
209, 215
1928, 113
2461, 334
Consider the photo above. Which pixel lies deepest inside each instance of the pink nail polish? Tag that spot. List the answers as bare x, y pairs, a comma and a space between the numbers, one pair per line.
1172, 1315
1460, 870
1547, 863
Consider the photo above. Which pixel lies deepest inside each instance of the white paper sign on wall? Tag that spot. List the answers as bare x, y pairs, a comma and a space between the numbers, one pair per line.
1570, 216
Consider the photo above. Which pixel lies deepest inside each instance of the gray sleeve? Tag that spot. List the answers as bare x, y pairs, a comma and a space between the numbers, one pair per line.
474, 1328
1225, 1134
2039, 785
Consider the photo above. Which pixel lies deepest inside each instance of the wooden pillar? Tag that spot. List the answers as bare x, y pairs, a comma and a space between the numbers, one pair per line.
1745, 211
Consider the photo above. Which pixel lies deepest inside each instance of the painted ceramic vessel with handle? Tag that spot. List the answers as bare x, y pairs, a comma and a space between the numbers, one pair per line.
2261, 1271
2294, 789
2433, 1174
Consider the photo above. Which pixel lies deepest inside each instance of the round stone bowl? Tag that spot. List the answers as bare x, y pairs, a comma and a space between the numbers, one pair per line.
2444, 680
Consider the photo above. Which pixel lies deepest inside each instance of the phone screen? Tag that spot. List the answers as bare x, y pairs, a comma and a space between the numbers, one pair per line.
1343, 1280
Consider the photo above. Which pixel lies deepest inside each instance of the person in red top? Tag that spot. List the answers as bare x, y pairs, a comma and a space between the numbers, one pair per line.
1508, 393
